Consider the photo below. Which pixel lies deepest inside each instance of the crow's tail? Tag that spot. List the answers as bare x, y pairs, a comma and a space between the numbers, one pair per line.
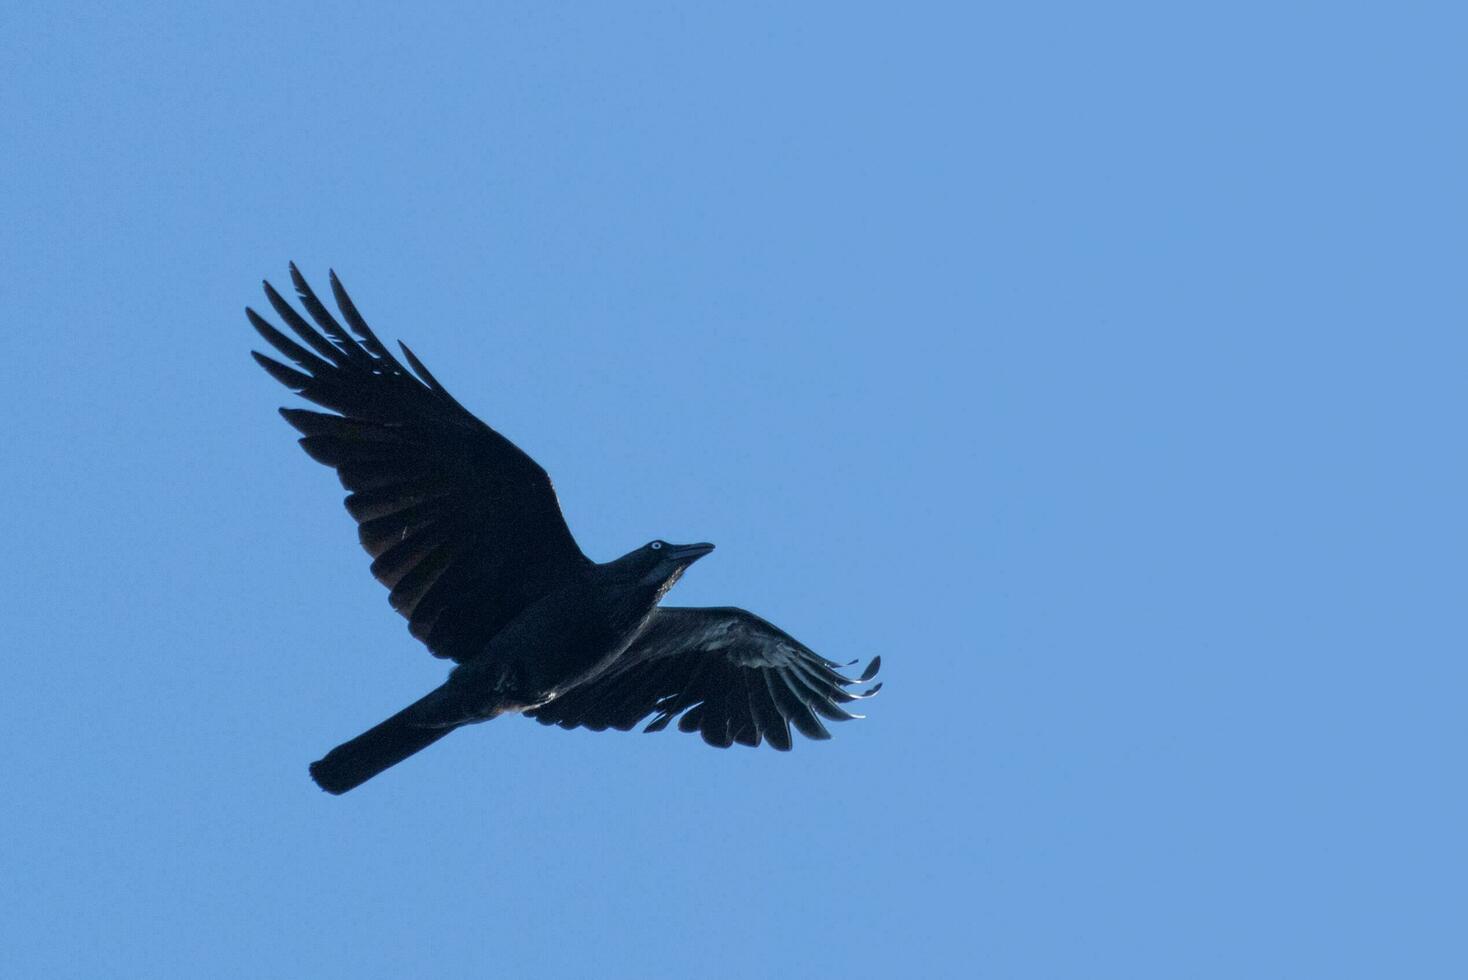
351, 764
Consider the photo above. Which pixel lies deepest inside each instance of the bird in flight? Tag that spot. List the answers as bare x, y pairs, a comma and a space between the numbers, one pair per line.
465, 531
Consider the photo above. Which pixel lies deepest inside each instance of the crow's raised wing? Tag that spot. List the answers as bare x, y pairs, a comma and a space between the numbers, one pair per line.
733, 676
462, 526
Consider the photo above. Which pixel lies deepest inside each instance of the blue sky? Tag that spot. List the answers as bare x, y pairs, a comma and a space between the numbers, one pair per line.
1100, 366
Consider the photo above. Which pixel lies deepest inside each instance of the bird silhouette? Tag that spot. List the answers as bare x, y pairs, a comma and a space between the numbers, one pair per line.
465, 531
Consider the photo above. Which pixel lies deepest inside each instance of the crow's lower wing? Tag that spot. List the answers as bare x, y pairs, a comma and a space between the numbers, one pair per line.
462, 526
732, 676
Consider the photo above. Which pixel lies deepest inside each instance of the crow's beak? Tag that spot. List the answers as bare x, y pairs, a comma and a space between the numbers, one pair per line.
687, 553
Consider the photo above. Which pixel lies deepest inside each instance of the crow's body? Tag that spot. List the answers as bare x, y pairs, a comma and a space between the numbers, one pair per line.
465, 531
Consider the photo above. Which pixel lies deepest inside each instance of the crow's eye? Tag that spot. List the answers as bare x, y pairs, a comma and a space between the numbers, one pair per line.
656, 546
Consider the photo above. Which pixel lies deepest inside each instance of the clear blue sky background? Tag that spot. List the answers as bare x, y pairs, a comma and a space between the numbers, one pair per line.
1102, 366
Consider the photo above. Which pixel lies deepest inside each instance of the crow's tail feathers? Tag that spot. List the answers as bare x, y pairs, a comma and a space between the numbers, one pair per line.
351, 764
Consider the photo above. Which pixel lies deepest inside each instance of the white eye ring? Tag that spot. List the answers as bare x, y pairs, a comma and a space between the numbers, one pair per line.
657, 545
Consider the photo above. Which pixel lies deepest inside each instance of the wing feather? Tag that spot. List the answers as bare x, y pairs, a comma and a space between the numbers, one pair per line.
724, 673
463, 527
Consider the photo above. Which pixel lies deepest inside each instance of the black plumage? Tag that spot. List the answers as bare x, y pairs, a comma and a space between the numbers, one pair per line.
465, 531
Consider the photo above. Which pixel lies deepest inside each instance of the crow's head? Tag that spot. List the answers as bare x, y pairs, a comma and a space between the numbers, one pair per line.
659, 564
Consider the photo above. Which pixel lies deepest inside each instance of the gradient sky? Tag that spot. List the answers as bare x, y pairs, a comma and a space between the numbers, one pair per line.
1102, 366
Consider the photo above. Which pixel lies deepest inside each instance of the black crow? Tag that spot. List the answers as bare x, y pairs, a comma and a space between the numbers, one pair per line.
466, 532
